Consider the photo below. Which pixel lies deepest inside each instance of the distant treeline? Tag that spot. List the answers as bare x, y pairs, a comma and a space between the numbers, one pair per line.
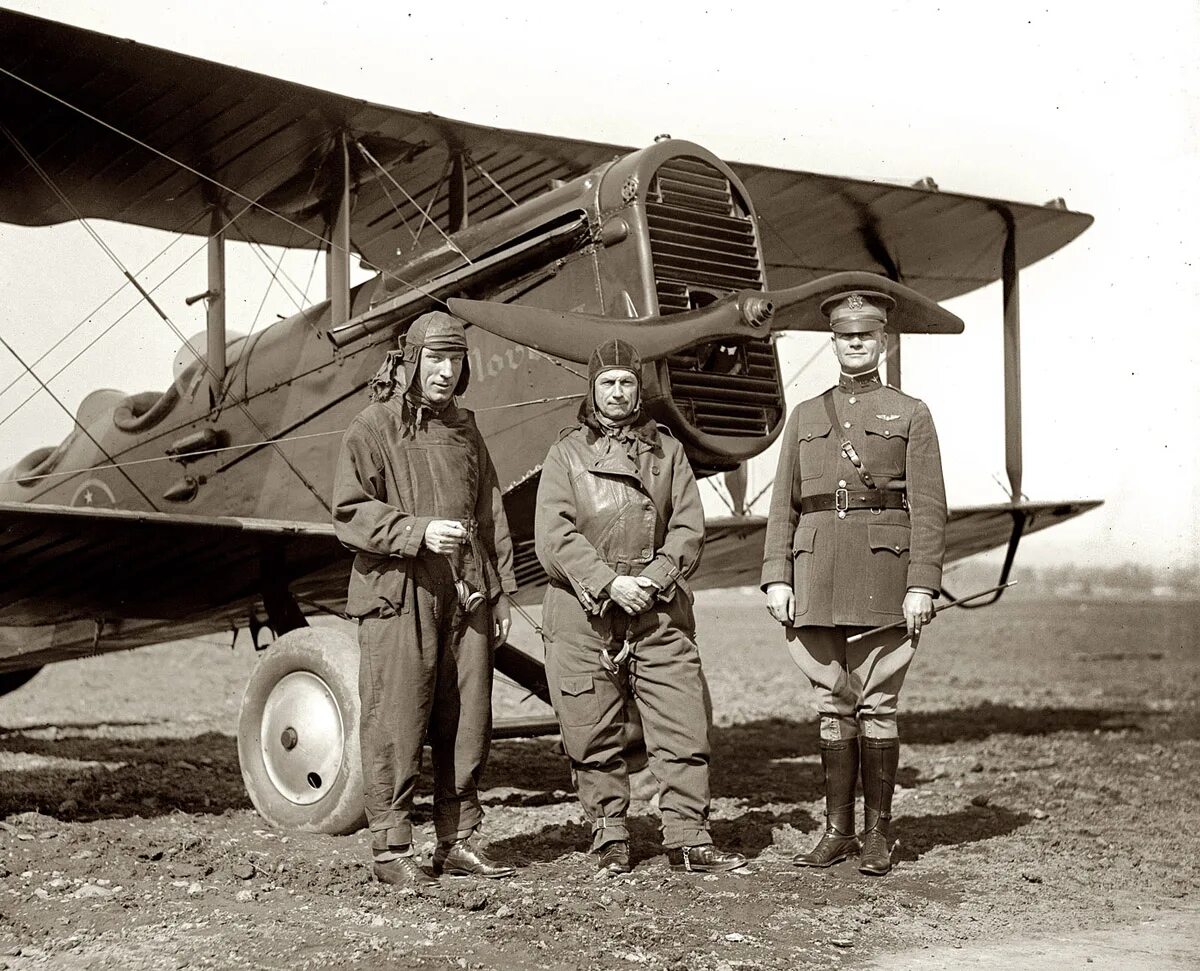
1078, 579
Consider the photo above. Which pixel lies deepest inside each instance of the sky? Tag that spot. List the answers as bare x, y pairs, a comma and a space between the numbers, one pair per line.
1020, 101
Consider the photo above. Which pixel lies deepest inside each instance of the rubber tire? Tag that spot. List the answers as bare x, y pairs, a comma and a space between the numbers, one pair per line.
333, 657
12, 680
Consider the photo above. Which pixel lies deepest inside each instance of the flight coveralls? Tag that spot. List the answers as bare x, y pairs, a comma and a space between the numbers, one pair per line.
426, 665
850, 570
625, 505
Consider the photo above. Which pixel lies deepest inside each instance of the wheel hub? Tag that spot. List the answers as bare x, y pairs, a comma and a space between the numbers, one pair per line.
303, 737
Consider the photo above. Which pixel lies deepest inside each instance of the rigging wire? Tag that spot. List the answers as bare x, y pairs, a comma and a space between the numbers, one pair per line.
33, 163
77, 422
28, 479
99, 337
208, 178
721, 495
424, 212
103, 303
480, 169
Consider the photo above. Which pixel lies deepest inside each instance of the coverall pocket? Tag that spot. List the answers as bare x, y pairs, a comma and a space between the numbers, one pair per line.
889, 567
578, 705
803, 544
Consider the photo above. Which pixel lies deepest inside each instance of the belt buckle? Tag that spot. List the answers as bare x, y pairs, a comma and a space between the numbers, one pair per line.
841, 501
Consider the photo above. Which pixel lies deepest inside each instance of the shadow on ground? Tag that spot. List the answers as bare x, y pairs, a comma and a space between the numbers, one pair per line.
760, 762
749, 833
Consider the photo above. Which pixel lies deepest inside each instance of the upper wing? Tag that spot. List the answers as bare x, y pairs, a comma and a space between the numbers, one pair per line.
81, 102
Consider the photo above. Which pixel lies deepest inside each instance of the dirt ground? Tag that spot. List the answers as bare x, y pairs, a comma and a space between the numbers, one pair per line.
1045, 815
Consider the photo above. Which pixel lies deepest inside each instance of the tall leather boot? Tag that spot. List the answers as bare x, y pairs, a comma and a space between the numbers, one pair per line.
880, 758
839, 759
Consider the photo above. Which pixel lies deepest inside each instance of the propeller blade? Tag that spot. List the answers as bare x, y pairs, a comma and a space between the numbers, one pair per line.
572, 336
744, 314
798, 308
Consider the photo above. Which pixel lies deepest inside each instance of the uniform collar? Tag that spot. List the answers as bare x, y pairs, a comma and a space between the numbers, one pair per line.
859, 383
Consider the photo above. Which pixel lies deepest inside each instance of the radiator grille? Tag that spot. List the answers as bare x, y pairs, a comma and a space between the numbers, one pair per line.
703, 245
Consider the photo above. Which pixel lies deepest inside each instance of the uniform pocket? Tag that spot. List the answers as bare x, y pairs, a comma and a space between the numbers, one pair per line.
887, 443
812, 439
803, 545
578, 704
889, 567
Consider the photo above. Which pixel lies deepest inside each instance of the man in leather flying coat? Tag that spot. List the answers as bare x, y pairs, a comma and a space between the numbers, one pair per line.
619, 529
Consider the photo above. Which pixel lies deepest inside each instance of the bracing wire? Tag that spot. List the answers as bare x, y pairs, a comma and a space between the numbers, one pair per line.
99, 337
208, 178
33, 163
104, 303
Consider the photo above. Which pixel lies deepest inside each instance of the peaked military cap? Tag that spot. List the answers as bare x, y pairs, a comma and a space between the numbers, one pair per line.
857, 311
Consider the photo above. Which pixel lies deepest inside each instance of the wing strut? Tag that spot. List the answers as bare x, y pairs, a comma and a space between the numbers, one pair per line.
1010, 277
337, 269
215, 340
1012, 358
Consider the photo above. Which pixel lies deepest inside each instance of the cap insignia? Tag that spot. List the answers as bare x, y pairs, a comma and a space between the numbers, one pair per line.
854, 301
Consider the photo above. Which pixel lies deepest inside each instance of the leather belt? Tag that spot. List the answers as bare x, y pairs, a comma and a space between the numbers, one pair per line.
843, 500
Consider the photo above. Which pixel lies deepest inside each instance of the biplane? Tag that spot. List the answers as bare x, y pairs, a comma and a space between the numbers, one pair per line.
205, 507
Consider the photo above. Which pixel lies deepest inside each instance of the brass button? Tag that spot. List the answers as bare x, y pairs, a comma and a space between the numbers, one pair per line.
845, 424
645, 551
887, 433
853, 399
841, 514
654, 470
647, 505
841, 483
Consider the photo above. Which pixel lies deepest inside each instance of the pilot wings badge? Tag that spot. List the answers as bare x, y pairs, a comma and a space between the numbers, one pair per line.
887, 417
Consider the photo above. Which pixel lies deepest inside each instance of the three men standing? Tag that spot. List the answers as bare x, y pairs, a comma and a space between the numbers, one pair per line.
416, 496
855, 540
619, 529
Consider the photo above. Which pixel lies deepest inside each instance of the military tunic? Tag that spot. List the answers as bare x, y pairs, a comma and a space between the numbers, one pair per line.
851, 571
855, 570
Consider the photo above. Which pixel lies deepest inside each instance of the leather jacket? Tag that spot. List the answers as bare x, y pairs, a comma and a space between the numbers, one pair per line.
610, 506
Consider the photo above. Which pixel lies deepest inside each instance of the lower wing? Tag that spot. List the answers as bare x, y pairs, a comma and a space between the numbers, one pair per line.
76, 581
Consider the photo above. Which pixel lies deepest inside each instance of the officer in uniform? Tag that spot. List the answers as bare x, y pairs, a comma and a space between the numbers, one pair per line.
855, 539
416, 497
619, 529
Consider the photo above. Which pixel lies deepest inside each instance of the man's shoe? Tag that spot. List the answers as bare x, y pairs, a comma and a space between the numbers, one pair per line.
614, 857
403, 871
876, 857
832, 848
703, 859
462, 859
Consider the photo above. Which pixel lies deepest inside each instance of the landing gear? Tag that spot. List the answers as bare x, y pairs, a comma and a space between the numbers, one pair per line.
298, 733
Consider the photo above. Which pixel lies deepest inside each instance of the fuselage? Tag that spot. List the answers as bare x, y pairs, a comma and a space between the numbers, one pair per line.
666, 229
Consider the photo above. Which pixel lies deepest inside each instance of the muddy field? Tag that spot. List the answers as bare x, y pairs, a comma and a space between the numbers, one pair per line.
1046, 818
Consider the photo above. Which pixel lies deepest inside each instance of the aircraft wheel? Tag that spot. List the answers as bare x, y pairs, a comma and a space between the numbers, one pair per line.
12, 680
298, 733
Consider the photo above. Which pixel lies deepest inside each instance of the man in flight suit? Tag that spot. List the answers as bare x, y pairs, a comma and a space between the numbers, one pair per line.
416, 497
619, 528
855, 539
